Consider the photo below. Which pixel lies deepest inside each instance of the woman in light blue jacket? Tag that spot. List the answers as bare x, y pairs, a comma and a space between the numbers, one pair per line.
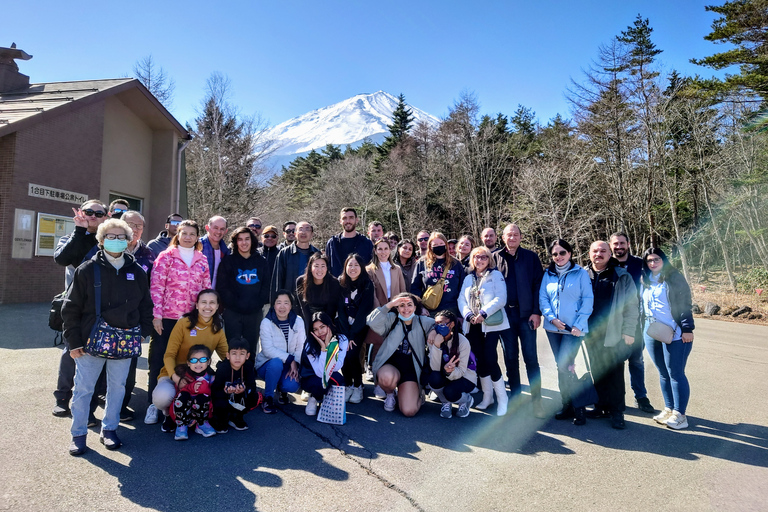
481, 302
565, 300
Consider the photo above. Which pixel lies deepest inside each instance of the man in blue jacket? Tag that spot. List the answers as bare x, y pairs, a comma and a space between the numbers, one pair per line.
347, 242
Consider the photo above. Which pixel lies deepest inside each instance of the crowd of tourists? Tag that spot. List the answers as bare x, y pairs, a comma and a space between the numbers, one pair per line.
418, 319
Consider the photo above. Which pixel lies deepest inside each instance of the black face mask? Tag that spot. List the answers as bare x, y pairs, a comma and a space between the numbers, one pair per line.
439, 250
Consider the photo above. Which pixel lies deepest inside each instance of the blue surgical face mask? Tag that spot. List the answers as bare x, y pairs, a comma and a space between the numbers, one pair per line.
405, 319
442, 330
115, 246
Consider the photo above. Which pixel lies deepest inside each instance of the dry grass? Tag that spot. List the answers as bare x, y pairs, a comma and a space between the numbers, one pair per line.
716, 290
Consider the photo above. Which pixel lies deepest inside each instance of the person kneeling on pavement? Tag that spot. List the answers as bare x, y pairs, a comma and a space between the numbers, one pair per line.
318, 370
453, 375
234, 388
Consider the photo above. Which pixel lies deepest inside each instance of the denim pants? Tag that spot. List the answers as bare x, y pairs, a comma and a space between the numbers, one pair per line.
87, 373
670, 361
564, 347
274, 372
519, 329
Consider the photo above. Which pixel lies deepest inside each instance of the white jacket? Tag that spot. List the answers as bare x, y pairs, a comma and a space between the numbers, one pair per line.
273, 344
493, 297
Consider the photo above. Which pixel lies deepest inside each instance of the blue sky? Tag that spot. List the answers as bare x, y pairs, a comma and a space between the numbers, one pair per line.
285, 58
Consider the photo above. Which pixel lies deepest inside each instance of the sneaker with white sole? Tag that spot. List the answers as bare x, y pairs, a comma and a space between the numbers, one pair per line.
181, 433
677, 421
446, 410
305, 395
311, 408
357, 395
389, 402
465, 406
151, 417
348, 393
378, 392
663, 416
205, 430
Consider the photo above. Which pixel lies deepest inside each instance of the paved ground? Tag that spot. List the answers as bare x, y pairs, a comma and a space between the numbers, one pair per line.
383, 461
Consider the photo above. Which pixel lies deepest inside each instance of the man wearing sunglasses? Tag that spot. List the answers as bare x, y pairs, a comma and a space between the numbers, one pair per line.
289, 234
423, 240
118, 207
160, 243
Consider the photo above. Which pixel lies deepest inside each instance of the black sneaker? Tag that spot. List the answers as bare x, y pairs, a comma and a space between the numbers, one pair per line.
126, 414
617, 421
238, 423
597, 413
77, 447
645, 405
269, 405
168, 425
565, 413
220, 427
61, 410
282, 398
579, 416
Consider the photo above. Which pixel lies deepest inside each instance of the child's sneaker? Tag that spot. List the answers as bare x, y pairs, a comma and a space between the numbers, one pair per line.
220, 427
205, 430
269, 405
677, 421
238, 423
282, 398
168, 424
181, 433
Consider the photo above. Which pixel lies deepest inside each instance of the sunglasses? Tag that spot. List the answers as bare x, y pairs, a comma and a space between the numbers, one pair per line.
174, 222
199, 360
254, 226
92, 213
423, 239
289, 231
119, 210
561, 253
111, 236
269, 236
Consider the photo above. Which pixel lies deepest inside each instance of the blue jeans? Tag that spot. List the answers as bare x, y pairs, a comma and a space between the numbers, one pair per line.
670, 361
88, 369
519, 329
274, 372
564, 347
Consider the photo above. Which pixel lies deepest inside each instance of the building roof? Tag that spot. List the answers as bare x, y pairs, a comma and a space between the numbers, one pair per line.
22, 107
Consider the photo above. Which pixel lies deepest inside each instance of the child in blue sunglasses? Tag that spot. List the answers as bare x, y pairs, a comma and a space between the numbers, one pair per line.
192, 404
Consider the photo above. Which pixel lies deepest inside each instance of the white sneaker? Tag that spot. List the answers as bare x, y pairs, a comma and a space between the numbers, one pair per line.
677, 421
357, 395
378, 392
663, 416
305, 396
389, 402
348, 393
445, 410
311, 408
152, 415
369, 375
465, 406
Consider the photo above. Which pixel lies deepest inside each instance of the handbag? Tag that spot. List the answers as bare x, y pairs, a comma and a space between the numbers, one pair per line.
434, 294
491, 320
107, 341
495, 319
660, 332
333, 410
584, 392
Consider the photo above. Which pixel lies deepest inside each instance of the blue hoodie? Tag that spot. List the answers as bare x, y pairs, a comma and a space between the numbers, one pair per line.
567, 297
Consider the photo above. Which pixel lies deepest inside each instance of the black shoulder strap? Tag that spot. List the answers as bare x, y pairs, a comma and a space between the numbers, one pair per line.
413, 352
97, 285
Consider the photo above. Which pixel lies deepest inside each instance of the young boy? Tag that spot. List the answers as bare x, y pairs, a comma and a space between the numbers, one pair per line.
234, 389
192, 405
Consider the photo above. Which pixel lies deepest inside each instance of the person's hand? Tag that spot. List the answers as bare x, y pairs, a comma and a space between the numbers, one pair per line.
576, 332
293, 373
451, 364
157, 323
176, 379
536, 319
352, 344
687, 337
477, 319
396, 302
183, 382
80, 219
628, 340
431, 338
78, 352
240, 388
557, 323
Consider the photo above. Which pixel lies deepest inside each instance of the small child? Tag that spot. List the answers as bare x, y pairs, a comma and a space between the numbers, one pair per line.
192, 404
234, 388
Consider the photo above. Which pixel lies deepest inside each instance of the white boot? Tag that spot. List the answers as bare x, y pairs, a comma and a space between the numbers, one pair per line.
501, 397
487, 386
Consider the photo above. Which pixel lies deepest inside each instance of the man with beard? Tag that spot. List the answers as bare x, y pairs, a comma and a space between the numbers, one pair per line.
347, 242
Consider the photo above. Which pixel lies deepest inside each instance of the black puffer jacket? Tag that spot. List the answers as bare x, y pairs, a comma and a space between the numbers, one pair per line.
125, 299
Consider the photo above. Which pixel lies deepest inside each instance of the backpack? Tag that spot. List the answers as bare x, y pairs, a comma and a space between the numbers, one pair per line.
55, 320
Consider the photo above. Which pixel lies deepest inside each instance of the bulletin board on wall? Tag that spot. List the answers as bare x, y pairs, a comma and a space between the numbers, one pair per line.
50, 228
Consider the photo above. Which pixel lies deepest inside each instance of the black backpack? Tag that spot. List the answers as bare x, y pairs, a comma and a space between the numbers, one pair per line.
55, 321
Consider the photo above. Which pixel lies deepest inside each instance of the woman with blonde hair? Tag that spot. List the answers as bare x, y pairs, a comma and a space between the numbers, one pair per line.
437, 266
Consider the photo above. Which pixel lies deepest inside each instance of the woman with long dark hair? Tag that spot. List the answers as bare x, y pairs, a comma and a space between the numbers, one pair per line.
355, 304
667, 300
566, 300
405, 258
314, 360
318, 290
435, 266
453, 375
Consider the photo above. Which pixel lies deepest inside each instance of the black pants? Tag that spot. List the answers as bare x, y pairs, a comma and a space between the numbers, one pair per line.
157, 345
314, 385
246, 325
352, 369
607, 365
223, 411
484, 347
452, 389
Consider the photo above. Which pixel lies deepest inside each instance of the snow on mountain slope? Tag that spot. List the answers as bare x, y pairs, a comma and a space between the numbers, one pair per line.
347, 122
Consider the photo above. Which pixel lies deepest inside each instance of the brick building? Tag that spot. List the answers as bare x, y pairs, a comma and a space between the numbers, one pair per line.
64, 142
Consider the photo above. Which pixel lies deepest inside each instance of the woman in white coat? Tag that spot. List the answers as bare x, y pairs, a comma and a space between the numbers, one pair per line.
481, 302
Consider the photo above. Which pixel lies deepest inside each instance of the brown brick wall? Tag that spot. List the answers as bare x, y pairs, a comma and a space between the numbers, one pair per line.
65, 153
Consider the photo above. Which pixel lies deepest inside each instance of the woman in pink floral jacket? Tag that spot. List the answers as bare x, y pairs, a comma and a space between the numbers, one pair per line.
178, 275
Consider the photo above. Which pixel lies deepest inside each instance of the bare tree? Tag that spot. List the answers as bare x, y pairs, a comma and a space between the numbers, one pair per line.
156, 80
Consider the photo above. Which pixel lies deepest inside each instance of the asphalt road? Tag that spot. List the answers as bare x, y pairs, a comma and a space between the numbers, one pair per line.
384, 461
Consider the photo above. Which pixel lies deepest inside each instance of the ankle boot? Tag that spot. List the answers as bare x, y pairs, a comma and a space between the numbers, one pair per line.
501, 397
565, 413
579, 416
487, 386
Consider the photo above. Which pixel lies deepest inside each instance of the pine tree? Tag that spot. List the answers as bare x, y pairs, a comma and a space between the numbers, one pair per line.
402, 121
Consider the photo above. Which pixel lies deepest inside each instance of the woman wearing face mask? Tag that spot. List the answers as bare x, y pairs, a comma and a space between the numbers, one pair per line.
405, 258
402, 356
125, 304
317, 289
179, 274
453, 374
566, 300
354, 306
438, 265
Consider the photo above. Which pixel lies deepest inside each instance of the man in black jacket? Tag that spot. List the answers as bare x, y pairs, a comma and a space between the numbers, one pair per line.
291, 262
522, 272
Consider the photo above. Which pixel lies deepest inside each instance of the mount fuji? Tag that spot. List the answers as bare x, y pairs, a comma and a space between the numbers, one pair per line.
348, 122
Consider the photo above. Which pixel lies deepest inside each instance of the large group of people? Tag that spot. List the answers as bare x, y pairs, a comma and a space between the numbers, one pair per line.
417, 319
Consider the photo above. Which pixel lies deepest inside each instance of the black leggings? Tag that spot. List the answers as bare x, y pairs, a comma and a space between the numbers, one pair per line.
452, 389
484, 347
314, 385
352, 370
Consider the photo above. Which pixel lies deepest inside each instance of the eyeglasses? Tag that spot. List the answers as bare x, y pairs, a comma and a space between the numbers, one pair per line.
289, 231
135, 226
119, 210
92, 213
174, 222
423, 239
199, 360
112, 236
481, 256
653, 260
254, 226
561, 253
269, 236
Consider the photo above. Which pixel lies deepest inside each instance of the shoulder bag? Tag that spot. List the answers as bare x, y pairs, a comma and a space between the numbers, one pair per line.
434, 294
